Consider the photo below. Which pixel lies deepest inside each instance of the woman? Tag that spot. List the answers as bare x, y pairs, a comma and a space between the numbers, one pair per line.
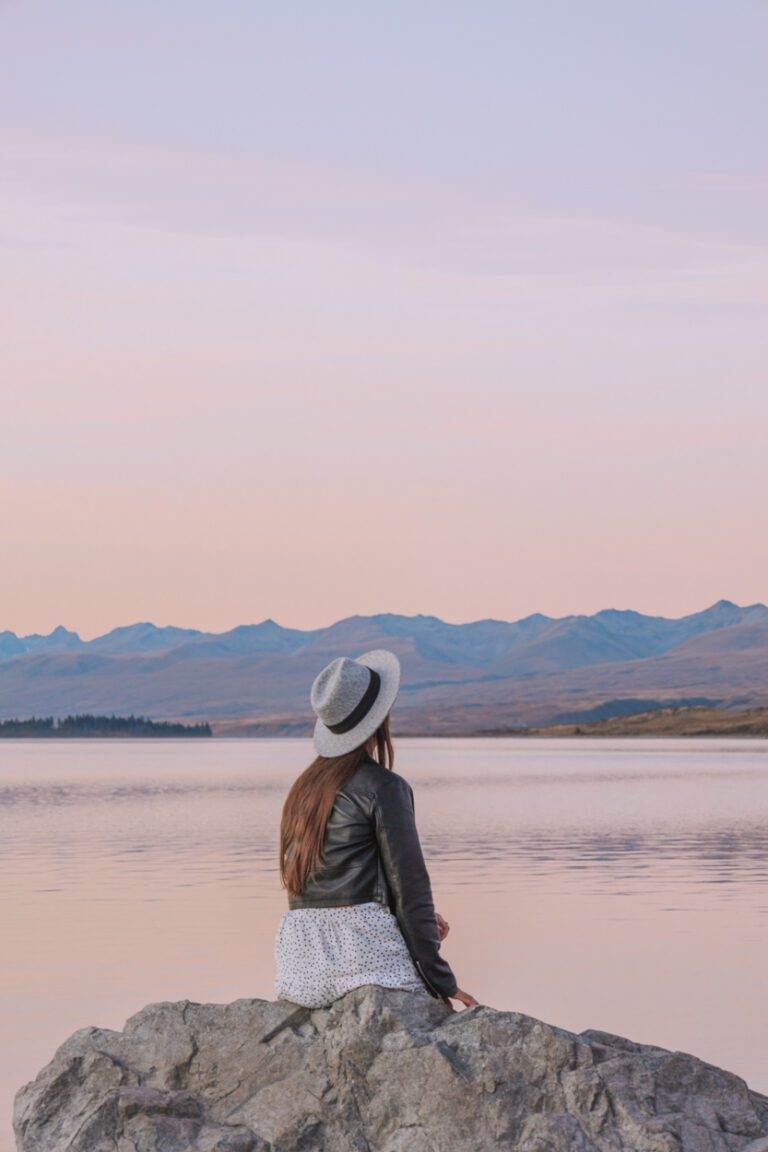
360, 901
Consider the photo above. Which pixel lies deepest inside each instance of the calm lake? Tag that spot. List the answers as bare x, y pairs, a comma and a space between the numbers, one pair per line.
618, 885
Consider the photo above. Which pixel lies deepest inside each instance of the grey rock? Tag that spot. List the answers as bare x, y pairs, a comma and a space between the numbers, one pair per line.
379, 1071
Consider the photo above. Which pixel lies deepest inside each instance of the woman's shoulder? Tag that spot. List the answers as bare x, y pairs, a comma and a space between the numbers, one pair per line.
373, 776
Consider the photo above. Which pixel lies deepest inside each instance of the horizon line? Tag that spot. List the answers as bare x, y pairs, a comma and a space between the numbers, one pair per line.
722, 602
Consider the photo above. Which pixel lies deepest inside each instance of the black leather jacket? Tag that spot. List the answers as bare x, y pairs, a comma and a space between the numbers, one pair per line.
372, 852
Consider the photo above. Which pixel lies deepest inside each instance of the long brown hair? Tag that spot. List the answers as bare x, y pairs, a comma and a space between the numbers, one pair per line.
310, 800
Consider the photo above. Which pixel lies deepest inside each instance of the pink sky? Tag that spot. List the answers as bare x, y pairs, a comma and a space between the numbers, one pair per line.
281, 337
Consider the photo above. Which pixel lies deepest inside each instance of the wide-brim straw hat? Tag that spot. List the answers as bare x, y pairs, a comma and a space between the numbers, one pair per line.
351, 698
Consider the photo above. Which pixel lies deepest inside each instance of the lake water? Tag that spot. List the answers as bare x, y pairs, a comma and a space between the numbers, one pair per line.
617, 885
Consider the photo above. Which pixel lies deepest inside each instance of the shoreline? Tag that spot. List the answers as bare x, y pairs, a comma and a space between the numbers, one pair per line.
661, 724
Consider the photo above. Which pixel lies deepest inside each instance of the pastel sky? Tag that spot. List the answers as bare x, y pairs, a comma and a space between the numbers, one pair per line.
312, 309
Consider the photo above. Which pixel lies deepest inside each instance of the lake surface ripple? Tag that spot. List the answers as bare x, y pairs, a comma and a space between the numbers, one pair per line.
618, 885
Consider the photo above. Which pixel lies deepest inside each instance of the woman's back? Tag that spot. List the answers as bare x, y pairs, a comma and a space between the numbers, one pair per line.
349, 869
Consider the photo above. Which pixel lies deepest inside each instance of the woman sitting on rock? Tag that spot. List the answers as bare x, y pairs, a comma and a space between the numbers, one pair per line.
359, 896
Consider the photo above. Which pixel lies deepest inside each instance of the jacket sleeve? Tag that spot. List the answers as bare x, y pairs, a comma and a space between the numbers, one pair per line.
409, 884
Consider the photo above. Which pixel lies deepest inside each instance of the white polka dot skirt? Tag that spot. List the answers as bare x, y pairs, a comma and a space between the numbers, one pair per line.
321, 953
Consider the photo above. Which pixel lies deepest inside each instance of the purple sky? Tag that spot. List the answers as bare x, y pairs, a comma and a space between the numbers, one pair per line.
310, 310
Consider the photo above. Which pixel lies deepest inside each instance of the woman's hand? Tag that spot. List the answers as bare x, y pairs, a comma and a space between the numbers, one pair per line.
443, 926
463, 997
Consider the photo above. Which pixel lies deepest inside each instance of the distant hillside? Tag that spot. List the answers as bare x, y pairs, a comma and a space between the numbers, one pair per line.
488, 675
671, 722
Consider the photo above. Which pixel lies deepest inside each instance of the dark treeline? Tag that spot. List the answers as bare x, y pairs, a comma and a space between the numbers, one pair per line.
49, 727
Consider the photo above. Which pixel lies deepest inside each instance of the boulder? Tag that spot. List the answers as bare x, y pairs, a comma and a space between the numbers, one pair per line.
381, 1070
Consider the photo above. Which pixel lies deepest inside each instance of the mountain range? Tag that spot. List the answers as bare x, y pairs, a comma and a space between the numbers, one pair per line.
484, 676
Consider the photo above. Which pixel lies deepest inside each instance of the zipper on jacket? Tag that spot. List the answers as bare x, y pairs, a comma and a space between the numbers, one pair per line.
429, 985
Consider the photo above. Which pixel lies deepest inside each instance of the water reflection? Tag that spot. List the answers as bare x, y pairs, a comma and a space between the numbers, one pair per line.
622, 886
